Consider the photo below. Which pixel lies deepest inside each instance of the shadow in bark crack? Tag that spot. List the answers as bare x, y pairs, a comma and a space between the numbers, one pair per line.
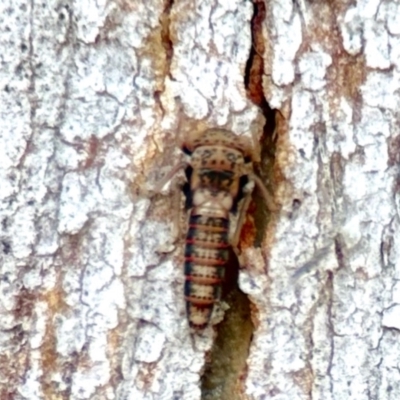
226, 371
223, 375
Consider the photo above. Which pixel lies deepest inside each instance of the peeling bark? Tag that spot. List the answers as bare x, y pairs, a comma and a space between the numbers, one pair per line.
96, 99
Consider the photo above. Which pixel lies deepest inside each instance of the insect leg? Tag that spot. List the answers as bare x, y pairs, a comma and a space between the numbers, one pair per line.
253, 178
242, 215
176, 198
264, 192
169, 176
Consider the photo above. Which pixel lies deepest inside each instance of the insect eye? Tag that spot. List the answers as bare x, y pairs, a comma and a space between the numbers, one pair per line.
207, 154
232, 157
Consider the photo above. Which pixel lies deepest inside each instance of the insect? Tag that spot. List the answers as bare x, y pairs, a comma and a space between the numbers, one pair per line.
219, 175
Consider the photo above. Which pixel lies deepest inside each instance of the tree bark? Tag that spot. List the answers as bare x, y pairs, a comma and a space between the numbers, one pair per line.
96, 100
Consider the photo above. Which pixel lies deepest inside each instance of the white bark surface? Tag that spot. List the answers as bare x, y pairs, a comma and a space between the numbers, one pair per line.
334, 74
95, 99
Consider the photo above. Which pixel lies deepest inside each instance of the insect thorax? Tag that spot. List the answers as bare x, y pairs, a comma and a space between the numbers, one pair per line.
216, 169
217, 173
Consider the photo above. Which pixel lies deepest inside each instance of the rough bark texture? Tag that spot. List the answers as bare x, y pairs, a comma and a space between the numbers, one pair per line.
95, 100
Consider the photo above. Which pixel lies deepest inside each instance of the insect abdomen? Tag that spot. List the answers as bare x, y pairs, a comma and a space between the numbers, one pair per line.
206, 256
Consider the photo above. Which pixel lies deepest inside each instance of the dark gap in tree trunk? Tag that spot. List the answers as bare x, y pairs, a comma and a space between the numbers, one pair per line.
165, 34
229, 353
254, 87
227, 367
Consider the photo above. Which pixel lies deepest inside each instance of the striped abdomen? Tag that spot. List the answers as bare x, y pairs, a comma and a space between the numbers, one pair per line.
206, 255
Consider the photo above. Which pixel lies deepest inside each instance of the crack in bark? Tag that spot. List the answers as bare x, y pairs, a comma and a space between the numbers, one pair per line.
237, 325
166, 40
254, 87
